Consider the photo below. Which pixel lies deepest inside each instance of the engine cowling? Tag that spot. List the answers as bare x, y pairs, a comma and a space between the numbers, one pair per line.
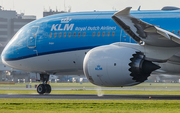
114, 66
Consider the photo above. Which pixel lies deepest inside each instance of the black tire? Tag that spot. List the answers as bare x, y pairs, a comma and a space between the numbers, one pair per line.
48, 88
41, 89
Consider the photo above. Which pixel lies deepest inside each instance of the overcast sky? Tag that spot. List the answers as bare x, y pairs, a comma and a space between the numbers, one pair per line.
36, 7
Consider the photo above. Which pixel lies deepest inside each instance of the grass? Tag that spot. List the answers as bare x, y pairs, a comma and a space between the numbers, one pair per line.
88, 106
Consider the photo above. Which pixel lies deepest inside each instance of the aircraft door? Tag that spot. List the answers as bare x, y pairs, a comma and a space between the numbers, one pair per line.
31, 42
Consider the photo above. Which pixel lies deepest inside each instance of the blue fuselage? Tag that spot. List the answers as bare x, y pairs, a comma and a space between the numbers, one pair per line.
79, 31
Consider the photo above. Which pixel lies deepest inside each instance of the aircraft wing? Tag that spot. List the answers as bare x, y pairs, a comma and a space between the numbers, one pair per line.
141, 31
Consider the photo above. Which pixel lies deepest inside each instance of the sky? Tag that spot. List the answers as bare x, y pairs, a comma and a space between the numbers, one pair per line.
36, 7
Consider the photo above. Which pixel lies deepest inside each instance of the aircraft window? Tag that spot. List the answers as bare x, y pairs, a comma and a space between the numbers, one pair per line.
69, 34
74, 34
94, 33
84, 34
173, 31
79, 34
178, 33
103, 34
55, 34
108, 34
60, 35
113, 33
98, 34
50, 35
64, 34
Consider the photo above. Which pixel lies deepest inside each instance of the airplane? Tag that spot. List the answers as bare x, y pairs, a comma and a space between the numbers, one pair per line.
112, 49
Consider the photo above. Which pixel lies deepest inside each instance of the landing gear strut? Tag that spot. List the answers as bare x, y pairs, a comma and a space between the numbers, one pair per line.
44, 87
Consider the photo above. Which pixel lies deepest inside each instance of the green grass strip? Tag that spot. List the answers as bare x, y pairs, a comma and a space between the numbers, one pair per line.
93, 92
87, 106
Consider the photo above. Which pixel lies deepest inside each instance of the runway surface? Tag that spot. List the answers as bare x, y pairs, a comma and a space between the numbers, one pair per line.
109, 89
90, 97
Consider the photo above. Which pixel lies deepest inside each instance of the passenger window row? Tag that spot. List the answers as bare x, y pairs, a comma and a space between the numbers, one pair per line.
79, 34
93, 35
178, 32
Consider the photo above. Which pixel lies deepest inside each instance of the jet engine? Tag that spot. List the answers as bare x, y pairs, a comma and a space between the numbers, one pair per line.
116, 66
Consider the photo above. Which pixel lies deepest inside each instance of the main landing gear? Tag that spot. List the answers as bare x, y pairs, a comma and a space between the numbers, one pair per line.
44, 87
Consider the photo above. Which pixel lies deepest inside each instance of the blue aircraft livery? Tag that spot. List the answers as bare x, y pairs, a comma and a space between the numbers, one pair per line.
77, 31
129, 45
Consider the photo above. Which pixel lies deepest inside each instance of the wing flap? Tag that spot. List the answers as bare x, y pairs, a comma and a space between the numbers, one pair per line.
142, 31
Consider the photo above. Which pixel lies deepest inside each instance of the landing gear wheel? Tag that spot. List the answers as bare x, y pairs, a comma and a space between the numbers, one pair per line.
41, 89
48, 88
44, 87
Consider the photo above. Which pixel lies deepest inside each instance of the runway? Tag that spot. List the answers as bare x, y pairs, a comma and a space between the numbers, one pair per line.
90, 97
105, 89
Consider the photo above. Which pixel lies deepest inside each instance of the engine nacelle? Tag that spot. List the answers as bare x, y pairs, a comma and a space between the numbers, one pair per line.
114, 66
